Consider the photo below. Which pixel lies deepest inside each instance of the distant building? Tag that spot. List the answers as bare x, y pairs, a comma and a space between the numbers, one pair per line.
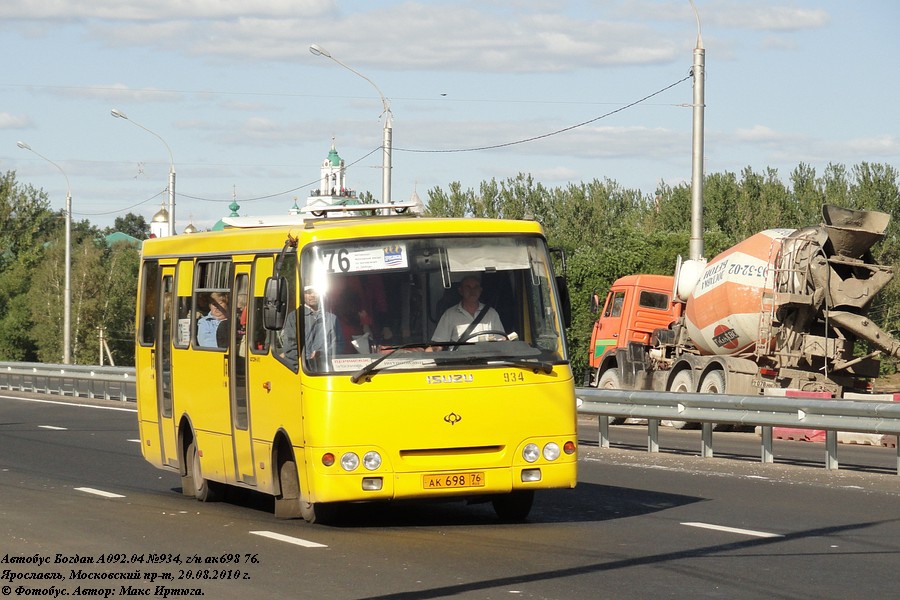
333, 189
118, 237
220, 225
159, 224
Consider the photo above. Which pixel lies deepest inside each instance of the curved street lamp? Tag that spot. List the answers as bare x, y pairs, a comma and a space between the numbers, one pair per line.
388, 131
121, 115
67, 286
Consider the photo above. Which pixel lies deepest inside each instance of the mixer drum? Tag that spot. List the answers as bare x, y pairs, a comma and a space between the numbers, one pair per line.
722, 314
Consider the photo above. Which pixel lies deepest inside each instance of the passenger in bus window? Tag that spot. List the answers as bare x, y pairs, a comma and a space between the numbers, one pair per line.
459, 318
320, 327
287, 339
223, 332
356, 324
208, 325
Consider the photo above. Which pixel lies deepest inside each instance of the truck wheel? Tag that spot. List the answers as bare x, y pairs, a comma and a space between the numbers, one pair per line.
610, 380
714, 383
682, 383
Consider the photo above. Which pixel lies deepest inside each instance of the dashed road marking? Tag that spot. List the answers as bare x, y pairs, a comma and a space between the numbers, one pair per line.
53, 427
101, 493
42, 401
288, 539
750, 532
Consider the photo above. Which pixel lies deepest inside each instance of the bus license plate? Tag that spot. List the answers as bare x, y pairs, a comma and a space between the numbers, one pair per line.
452, 481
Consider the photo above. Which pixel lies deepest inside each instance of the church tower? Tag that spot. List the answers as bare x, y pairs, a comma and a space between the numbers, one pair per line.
159, 224
333, 187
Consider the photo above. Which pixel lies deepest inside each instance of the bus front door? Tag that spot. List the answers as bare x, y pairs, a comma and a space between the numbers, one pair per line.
163, 367
241, 437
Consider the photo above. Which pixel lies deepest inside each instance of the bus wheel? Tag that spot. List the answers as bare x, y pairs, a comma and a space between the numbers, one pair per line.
203, 490
610, 380
514, 506
310, 511
287, 504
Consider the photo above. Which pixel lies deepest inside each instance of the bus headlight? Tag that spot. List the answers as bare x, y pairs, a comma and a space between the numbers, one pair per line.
531, 452
349, 461
372, 460
551, 451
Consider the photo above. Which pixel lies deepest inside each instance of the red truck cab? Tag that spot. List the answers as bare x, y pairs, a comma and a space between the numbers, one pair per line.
635, 307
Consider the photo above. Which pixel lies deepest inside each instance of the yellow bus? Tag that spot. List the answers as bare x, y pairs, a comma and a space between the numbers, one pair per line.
302, 357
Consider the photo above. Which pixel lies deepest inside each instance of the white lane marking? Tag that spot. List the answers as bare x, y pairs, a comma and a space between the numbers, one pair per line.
88, 490
761, 534
53, 427
134, 410
135, 441
288, 539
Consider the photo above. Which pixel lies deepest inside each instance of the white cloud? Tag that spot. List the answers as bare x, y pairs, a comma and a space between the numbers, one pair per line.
112, 92
756, 15
738, 14
141, 10
436, 35
8, 121
757, 133
879, 146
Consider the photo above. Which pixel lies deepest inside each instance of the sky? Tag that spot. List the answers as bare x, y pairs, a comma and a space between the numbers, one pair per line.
228, 93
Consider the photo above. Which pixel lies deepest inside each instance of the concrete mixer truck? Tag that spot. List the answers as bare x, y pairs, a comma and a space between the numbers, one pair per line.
784, 308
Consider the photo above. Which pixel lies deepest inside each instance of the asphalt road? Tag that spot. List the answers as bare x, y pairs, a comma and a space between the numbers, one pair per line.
73, 487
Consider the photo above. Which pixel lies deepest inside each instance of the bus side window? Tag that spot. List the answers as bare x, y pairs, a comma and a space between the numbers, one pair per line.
183, 323
258, 338
241, 310
284, 344
149, 304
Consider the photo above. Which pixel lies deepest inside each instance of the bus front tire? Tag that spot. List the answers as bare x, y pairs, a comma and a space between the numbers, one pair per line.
514, 506
287, 503
290, 504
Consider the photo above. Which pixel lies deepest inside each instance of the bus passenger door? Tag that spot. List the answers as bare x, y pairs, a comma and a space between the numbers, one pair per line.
163, 368
244, 467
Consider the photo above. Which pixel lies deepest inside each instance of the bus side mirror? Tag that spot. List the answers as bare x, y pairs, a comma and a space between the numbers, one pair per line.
275, 303
563, 286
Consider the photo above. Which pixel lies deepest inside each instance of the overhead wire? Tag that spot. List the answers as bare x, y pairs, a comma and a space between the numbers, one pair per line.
458, 150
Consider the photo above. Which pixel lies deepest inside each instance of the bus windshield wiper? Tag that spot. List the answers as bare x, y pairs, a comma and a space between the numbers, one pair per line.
534, 365
370, 369
538, 366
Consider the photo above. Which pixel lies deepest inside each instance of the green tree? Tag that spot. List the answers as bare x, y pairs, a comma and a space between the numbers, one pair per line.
26, 222
117, 314
131, 224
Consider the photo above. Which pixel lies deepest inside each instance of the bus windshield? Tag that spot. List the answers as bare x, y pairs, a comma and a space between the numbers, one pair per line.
428, 303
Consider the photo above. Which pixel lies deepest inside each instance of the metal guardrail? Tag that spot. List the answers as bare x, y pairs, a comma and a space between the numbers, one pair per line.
866, 416
109, 383
832, 416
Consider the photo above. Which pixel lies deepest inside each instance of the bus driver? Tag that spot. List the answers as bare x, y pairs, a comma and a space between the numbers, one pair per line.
460, 318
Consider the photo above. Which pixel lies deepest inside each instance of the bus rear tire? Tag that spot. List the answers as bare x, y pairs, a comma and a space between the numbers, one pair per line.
203, 490
514, 506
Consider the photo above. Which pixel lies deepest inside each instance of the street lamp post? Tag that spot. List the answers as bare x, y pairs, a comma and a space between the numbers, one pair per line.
121, 115
388, 132
67, 286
